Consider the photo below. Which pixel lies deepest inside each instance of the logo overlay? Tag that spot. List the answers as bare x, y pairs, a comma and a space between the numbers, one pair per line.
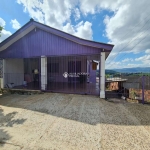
66, 75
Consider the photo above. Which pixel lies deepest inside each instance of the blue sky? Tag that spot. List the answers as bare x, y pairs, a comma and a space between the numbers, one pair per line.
123, 23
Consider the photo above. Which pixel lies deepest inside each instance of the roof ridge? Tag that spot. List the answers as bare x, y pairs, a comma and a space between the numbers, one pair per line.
71, 34
58, 32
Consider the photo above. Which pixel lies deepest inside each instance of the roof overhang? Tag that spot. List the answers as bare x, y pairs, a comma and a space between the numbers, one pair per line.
31, 25
15, 37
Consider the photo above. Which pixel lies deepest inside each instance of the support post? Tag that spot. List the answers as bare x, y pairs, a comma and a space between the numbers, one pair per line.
75, 71
99, 75
102, 75
43, 73
143, 82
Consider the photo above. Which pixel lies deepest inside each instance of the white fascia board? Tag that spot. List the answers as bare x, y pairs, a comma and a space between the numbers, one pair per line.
17, 37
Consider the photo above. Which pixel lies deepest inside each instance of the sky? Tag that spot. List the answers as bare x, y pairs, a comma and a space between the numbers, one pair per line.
126, 24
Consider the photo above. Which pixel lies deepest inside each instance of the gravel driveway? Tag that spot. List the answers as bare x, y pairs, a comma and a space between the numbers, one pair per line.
67, 121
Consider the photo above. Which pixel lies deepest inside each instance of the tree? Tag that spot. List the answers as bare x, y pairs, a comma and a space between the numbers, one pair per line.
1, 28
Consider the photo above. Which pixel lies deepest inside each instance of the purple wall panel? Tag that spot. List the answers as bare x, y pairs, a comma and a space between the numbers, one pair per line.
74, 38
39, 42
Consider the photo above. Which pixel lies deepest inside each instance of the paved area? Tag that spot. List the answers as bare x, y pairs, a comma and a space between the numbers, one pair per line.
66, 121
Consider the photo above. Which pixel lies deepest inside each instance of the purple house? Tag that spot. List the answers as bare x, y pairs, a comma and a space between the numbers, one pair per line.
43, 58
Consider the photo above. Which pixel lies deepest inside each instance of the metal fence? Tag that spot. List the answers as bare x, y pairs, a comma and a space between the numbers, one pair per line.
71, 74
21, 81
132, 87
50, 83
67, 74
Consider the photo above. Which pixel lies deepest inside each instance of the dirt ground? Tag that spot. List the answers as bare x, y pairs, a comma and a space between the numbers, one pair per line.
67, 121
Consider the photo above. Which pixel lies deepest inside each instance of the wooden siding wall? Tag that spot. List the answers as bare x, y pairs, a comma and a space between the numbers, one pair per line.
38, 43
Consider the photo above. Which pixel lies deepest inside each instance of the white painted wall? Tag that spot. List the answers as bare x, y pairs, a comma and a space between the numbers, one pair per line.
102, 75
1, 79
1, 83
30, 65
43, 72
13, 71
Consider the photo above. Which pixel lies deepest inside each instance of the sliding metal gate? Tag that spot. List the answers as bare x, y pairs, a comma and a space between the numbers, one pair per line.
65, 74
73, 74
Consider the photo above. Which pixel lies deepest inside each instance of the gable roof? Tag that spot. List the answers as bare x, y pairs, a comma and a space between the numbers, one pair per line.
31, 25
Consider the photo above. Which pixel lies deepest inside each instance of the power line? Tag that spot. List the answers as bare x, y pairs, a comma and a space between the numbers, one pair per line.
131, 40
134, 46
128, 44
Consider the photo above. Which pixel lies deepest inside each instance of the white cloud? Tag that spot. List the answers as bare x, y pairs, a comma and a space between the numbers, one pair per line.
119, 65
4, 33
69, 28
2, 22
147, 51
34, 8
129, 25
15, 24
113, 65
94, 6
82, 30
77, 14
127, 60
134, 65
143, 61
127, 28
143, 58
56, 14
53, 13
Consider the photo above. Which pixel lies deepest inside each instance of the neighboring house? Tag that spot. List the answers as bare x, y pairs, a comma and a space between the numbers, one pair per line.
114, 87
115, 83
40, 57
129, 86
136, 85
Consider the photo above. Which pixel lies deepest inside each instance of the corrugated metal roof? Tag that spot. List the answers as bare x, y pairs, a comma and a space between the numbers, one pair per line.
33, 24
35, 39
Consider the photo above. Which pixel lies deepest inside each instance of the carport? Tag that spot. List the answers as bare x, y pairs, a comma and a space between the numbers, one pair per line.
40, 57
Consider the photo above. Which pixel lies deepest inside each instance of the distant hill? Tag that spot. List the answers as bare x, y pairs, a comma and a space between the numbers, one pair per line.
131, 70
110, 71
